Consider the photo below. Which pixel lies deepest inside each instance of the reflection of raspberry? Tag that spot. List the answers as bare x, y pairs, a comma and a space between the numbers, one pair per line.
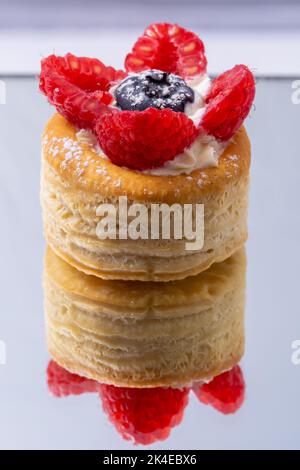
144, 415
228, 102
78, 87
144, 139
62, 383
225, 393
169, 48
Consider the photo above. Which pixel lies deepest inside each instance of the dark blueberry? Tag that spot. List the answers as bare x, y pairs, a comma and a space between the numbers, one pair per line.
153, 89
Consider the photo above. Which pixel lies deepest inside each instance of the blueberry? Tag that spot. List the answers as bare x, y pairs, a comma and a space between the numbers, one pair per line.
153, 89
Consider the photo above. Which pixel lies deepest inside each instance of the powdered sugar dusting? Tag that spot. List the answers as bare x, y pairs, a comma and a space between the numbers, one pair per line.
71, 151
202, 180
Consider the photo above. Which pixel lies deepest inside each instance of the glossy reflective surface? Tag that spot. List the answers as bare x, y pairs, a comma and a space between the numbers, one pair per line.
270, 416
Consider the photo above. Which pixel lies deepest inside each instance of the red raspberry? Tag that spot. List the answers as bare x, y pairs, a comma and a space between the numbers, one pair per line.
228, 102
145, 415
144, 139
225, 393
62, 383
169, 48
78, 87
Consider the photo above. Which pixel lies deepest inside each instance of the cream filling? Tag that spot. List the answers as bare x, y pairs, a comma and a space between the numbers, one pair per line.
201, 87
204, 152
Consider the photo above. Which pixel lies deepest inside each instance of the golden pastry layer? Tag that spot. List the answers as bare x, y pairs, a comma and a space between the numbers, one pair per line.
76, 180
142, 334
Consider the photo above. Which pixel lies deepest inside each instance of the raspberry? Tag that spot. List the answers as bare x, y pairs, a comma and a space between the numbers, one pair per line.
144, 139
169, 48
228, 102
225, 393
144, 415
151, 128
62, 383
78, 87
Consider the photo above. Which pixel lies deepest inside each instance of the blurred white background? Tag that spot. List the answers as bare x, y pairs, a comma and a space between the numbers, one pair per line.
264, 34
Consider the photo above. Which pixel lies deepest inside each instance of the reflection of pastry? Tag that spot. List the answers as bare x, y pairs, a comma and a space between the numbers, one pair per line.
160, 132
149, 334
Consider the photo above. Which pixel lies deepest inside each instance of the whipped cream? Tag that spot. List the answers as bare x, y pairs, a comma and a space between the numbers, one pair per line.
204, 152
201, 87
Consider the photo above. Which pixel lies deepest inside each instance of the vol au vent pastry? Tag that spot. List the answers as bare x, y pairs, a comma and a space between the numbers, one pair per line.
137, 334
160, 132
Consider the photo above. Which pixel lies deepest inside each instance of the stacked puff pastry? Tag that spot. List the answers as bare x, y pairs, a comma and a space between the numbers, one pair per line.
145, 312
103, 320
